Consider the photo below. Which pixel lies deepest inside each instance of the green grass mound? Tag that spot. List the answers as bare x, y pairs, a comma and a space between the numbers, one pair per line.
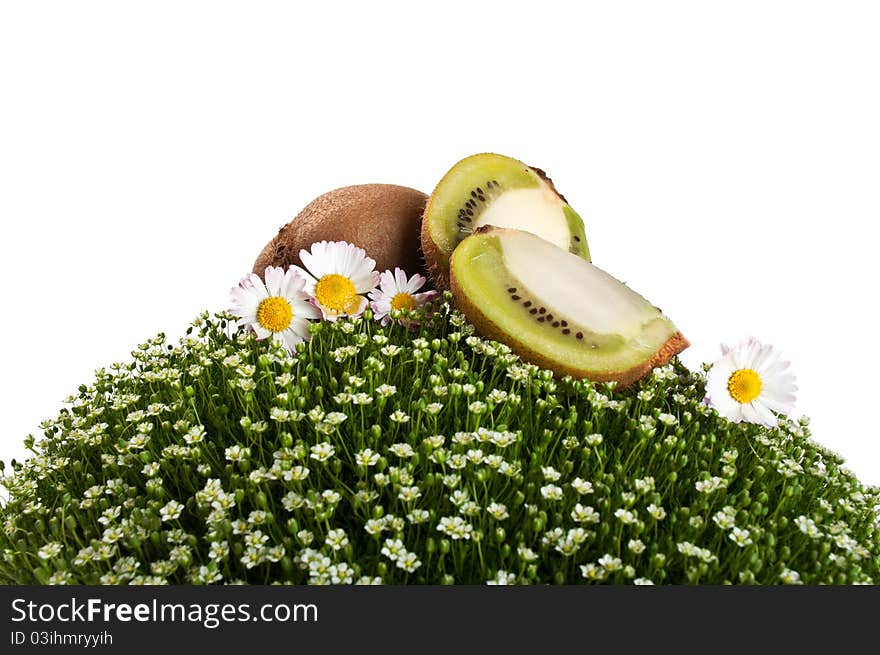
418, 456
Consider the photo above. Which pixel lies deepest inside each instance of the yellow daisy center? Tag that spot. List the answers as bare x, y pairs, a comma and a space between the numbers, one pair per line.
336, 292
274, 314
744, 385
403, 301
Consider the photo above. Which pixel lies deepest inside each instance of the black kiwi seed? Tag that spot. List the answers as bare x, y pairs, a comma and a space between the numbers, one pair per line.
580, 335
527, 303
549, 317
511, 290
514, 297
542, 311
566, 331
555, 323
479, 191
533, 311
564, 323
541, 319
578, 239
470, 212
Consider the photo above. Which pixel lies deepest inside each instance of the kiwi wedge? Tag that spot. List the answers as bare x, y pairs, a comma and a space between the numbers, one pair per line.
490, 189
557, 310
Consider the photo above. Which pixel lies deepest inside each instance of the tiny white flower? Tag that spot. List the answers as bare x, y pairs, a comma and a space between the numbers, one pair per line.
584, 514
582, 486
393, 549
402, 450
409, 494
550, 473
237, 453
366, 457
667, 419
807, 526
399, 416
644, 485
322, 451
374, 526
336, 539
418, 516
788, 576
477, 407
712, 484
657, 511
498, 510
551, 492
502, 578
740, 536
386, 390
50, 550
171, 511
434, 408
636, 546
456, 527
610, 563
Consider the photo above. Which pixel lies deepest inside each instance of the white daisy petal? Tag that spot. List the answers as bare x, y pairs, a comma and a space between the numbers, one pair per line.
293, 281
774, 369
765, 415
309, 281
274, 279
301, 326
303, 309
261, 332
400, 279
314, 261
360, 308
749, 413
422, 298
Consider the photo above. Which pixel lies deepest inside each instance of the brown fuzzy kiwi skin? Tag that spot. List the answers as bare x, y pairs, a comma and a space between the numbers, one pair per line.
674, 345
436, 261
383, 219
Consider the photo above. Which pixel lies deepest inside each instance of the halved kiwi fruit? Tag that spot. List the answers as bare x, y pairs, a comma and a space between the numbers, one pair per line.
490, 189
557, 310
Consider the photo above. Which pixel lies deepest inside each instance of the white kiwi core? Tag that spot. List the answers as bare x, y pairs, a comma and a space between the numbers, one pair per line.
575, 289
536, 210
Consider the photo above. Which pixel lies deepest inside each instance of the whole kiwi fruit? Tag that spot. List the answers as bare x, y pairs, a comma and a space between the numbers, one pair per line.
383, 219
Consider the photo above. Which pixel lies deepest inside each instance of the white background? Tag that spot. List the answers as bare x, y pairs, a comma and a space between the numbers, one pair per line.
725, 158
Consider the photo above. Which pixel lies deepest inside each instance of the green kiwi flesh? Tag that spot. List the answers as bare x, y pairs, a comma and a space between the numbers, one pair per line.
490, 189
557, 310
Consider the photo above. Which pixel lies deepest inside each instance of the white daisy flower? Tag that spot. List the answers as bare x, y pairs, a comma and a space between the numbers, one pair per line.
280, 308
749, 383
336, 274
397, 292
